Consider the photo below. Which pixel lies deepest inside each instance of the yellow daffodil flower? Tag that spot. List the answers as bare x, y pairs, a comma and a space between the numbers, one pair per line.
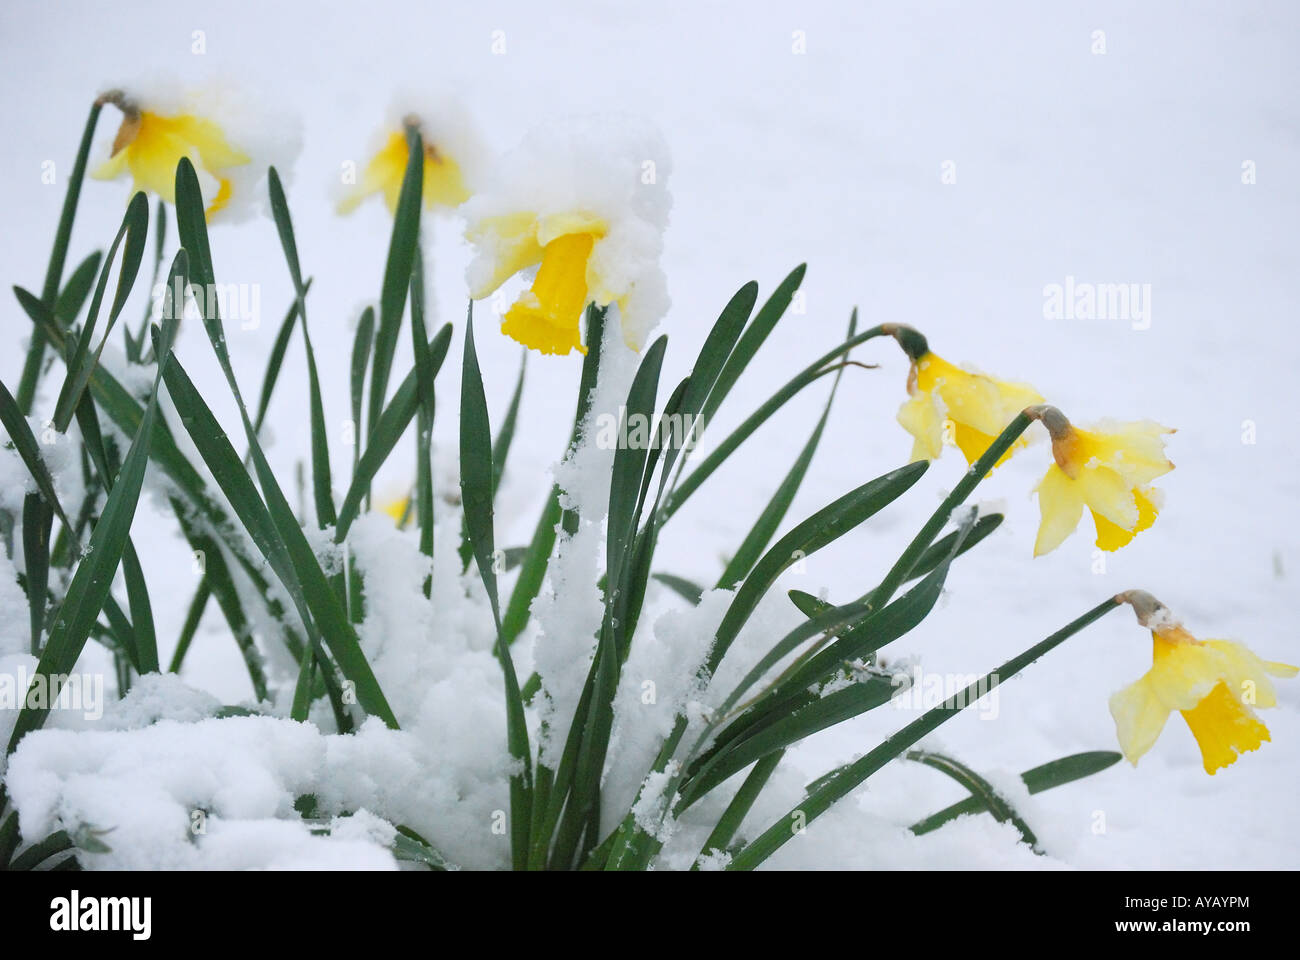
1109, 470
547, 317
1213, 683
399, 509
444, 183
149, 145
583, 202
964, 408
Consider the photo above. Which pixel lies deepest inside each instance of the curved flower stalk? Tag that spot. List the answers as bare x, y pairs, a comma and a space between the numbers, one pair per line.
1109, 469
955, 405
585, 203
1212, 683
451, 154
220, 138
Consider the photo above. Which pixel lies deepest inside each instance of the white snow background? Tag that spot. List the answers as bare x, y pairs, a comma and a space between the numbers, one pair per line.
1122, 167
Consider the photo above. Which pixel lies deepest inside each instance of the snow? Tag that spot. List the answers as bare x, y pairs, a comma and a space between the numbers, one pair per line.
1122, 167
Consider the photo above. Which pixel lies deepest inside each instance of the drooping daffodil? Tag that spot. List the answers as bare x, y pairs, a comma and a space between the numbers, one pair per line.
952, 404
445, 185
152, 140
1108, 469
584, 203
1214, 684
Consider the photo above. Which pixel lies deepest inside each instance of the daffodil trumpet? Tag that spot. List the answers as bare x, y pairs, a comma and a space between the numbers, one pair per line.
1214, 684
149, 145
1109, 469
948, 404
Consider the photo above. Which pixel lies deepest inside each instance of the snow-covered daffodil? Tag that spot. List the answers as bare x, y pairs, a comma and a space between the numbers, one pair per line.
1109, 469
1214, 684
956, 405
444, 182
548, 316
584, 204
149, 144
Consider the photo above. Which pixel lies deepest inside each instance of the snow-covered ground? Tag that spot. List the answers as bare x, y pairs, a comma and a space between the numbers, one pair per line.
934, 164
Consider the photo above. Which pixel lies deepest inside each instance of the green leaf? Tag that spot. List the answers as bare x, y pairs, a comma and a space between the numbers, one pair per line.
424, 375
384, 437
127, 413
276, 533
740, 805
276, 358
397, 274
411, 847
321, 609
20, 432
134, 227
810, 374
850, 776
1036, 780
770, 519
77, 289
58, 255
688, 591
322, 484
980, 788
823, 527
754, 336
93, 579
819, 714
137, 594
476, 496
360, 359
42, 850
38, 520
532, 571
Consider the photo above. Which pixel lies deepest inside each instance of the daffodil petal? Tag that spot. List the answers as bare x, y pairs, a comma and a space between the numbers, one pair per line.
1060, 507
1139, 717
514, 245
1224, 729
1107, 494
919, 417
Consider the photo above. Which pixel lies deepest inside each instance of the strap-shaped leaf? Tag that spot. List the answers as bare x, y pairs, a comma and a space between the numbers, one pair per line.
93, 578
388, 431
979, 788
397, 274
847, 778
476, 496
1045, 777
134, 227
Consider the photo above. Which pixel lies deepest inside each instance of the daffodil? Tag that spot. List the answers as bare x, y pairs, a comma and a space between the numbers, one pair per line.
1214, 684
584, 204
444, 182
149, 144
953, 404
399, 509
1109, 469
548, 316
